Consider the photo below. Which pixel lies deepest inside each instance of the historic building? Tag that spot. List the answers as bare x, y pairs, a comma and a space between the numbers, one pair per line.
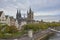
2, 17
12, 21
30, 16
16, 24
21, 21
18, 17
7, 20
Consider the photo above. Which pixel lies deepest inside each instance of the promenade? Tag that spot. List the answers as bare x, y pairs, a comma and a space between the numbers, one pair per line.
35, 36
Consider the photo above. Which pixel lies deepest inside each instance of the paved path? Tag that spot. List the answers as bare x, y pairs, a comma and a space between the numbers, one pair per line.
54, 30
36, 35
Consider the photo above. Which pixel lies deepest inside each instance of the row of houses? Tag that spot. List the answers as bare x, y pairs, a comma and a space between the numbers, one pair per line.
9, 20
18, 21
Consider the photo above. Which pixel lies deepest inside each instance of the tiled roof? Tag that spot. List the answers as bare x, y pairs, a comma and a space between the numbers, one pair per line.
1, 13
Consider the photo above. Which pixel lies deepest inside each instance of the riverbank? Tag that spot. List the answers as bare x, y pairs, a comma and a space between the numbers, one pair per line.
46, 36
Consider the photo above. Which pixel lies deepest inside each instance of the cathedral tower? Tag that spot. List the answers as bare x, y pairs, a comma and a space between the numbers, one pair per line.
18, 16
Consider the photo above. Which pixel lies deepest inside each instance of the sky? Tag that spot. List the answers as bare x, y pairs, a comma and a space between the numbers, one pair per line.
39, 7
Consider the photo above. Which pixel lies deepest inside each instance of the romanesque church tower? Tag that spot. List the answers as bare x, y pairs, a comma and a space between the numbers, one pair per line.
29, 16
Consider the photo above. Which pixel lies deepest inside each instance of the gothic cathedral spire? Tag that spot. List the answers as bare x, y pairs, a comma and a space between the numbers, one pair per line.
18, 16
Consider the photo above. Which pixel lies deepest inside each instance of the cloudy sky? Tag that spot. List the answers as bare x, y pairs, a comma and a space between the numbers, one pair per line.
40, 7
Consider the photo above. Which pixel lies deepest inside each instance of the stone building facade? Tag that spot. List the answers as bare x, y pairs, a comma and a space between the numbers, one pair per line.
30, 16
2, 17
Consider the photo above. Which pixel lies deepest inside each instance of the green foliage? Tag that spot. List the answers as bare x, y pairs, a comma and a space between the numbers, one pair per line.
11, 29
31, 26
53, 24
7, 31
40, 26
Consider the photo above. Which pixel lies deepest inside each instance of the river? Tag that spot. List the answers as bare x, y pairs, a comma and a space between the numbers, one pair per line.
55, 37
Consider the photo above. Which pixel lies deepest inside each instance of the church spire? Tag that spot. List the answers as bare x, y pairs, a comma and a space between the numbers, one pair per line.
18, 16
30, 10
20, 13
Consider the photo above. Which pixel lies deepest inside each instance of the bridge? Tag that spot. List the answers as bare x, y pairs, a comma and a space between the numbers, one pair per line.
54, 30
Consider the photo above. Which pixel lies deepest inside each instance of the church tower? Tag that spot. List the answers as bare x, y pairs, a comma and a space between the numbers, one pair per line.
30, 16
18, 16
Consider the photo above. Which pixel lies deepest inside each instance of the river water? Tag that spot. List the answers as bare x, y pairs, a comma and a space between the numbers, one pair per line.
55, 37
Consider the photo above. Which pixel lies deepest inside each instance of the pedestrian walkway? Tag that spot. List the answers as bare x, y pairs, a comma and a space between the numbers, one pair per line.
35, 36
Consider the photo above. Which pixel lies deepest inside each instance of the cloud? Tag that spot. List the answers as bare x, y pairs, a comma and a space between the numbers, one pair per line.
41, 13
40, 7
11, 11
14, 0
